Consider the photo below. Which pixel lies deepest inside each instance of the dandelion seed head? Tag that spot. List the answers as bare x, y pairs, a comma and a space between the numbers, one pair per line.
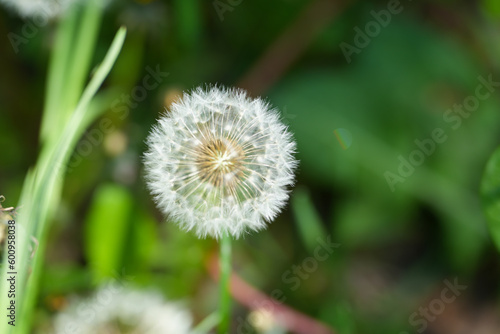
117, 309
220, 162
42, 10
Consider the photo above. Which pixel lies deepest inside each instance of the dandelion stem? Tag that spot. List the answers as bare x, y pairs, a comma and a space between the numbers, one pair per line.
224, 286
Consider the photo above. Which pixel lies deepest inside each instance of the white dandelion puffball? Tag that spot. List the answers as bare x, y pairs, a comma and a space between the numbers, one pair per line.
114, 309
45, 9
220, 162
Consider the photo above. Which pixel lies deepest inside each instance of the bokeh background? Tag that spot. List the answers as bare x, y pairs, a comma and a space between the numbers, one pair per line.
396, 247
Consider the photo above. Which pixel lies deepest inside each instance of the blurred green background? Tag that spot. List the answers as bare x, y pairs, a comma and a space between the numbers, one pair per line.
352, 121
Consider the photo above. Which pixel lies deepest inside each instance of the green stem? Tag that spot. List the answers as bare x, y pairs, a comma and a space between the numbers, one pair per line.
82, 52
207, 324
224, 287
61, 55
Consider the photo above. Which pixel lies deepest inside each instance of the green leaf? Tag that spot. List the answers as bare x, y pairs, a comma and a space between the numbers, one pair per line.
106, 229
340, 314
82, 53
490, 193
188, 22
492, 7
56, 76
307, 218
69, 67
352, 124
42, 193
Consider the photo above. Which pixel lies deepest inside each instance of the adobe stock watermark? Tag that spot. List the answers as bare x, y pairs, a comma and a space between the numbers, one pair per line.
223, 6
31, 28
293, 278
421, 318
120, 107
453, 117
372, 29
